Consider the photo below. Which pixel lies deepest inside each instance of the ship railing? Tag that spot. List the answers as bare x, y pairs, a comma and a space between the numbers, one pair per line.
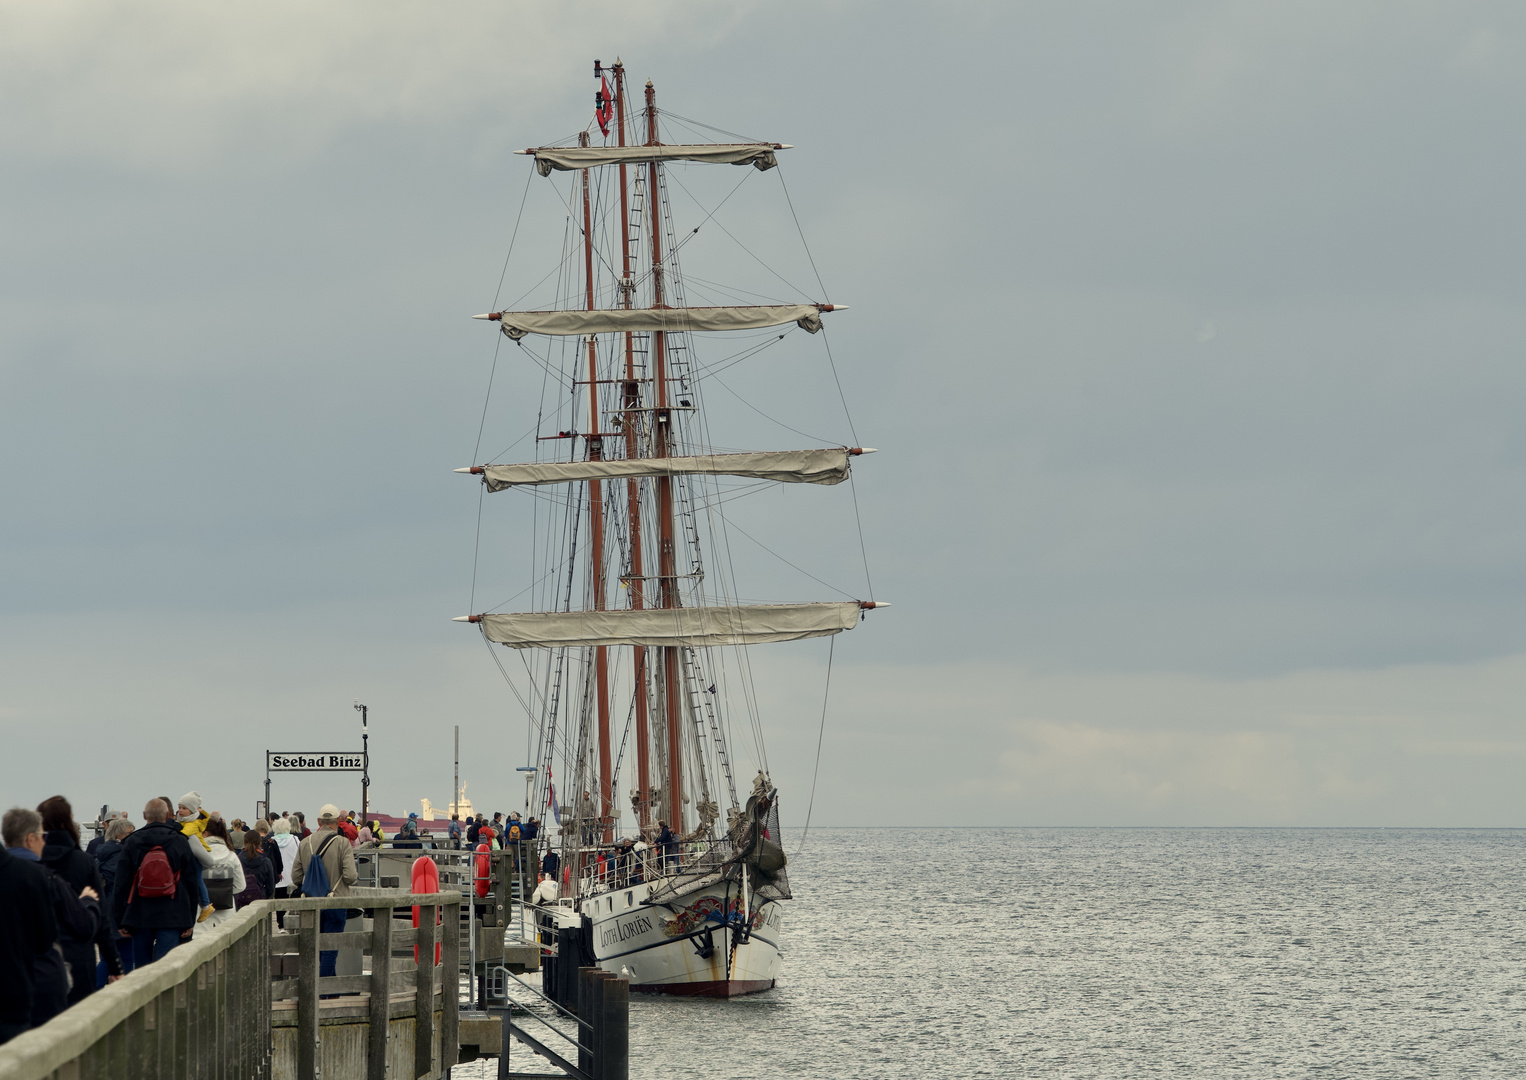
621, 870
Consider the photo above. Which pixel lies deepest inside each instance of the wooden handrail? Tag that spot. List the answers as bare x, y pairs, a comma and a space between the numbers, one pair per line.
205, 1007
69, 1035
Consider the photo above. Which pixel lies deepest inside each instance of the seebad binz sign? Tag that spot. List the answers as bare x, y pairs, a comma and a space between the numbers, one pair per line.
317, 761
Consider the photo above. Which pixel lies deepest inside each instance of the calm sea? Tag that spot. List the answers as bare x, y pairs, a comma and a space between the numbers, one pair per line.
1126, 952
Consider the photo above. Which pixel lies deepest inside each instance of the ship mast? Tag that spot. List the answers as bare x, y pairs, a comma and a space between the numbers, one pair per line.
596, 522
631, 403
661, 439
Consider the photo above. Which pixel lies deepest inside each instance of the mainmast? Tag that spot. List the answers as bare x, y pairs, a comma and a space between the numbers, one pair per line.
596, 524
661, 447
631, 404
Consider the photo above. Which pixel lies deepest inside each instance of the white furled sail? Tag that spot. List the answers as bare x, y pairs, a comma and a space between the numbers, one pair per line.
758, 155
516, 324
655, 627
786, 466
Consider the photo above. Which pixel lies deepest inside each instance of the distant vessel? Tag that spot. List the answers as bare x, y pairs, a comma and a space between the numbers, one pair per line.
463, 807
663, 645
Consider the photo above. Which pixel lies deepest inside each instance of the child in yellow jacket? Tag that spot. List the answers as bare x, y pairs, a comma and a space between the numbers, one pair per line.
192, 820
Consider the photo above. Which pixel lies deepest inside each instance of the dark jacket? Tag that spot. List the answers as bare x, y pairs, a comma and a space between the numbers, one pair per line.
77, 918
472, 831
63, 856
528, 831
27, 933
258, 868
106, 857
272, 851
176, 912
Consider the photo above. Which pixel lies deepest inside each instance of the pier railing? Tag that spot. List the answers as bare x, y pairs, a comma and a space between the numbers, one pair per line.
246, 1002
201, 1011
403, 977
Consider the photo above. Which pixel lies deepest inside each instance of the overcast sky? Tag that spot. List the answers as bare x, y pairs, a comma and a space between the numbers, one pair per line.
1190, 334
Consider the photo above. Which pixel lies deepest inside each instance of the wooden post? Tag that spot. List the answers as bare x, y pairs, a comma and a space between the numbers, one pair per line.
260, 982
181, 1033
501, 887
423, 997
233, 980
567, 958
381, 993
450, 972
614, 1031
307, 995
588, 1009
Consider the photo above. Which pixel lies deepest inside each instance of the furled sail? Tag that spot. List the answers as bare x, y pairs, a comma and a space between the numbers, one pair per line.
517, 324
759, 155
693, 626
786, 466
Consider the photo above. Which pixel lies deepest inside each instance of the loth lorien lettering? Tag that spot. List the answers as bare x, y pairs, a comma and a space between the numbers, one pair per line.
624, 930
315, 761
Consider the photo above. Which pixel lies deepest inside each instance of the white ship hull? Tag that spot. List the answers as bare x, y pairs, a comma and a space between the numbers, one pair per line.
702, 943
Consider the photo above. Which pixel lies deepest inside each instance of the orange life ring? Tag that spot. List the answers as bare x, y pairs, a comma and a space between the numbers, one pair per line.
484, 867
426, 880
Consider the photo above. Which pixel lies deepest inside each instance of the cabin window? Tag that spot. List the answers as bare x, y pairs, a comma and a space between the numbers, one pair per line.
629, 899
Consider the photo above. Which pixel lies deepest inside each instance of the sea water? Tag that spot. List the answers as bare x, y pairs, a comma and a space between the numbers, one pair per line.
1124, 953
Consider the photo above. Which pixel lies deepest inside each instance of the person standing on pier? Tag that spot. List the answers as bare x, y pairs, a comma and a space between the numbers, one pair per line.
63, 856
326, 848
153, 902
284, 847
27, 935
77, 916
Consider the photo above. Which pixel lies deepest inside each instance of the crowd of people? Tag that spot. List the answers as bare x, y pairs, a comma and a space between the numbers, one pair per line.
80, 916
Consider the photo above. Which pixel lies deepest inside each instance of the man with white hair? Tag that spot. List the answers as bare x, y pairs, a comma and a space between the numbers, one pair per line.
338, 874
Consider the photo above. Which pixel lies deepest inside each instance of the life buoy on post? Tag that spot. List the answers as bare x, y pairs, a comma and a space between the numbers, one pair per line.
483, 863
426, 880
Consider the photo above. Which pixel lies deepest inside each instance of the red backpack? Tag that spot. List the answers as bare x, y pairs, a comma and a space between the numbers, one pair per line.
154, 879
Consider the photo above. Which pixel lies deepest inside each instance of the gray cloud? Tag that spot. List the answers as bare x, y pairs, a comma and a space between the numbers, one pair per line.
1190, 336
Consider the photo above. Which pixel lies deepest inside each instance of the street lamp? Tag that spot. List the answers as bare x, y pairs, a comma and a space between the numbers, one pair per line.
365, 764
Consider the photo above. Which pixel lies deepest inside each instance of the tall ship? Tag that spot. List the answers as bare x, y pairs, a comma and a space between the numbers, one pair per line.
632, 663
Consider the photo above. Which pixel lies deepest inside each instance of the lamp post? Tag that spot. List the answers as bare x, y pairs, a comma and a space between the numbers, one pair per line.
528, 771
365, 764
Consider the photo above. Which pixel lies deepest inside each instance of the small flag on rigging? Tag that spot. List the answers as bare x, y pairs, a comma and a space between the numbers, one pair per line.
556, 811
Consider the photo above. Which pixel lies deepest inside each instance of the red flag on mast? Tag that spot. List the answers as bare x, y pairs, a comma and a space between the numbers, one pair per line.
603, 106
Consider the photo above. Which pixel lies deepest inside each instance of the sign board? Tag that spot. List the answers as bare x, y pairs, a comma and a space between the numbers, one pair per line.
315, 761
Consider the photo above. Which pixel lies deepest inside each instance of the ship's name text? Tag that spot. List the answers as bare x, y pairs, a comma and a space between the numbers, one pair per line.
624, 930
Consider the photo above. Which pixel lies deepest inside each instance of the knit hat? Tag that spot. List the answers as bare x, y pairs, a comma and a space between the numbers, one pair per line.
191, 800
328, 812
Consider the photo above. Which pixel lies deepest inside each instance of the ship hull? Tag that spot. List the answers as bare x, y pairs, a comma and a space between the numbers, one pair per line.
700, 944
